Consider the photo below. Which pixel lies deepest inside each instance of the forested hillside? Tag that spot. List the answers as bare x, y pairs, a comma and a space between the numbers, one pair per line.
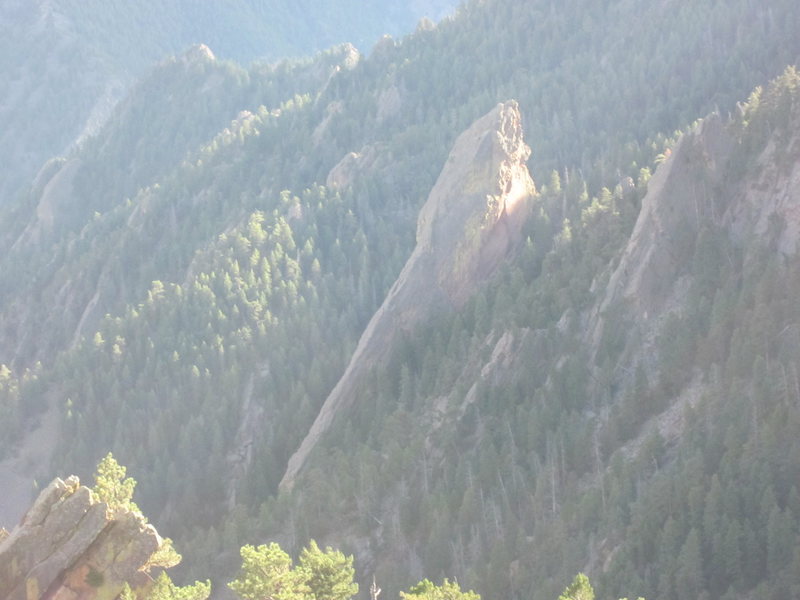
187, 286
507, 445
66, 63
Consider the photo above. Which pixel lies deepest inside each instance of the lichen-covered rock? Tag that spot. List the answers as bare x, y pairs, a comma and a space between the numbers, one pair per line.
471, 221
69, 547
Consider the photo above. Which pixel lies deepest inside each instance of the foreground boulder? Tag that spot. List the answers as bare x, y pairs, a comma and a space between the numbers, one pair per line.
69, 546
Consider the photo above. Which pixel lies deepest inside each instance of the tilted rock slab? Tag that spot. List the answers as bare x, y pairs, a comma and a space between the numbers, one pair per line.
677, 203
68, 547
472, 219
698, 186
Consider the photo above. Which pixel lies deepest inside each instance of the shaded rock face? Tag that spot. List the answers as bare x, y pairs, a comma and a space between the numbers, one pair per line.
347, 170
475, 212
768, 200
471, 221
54, 185
68, 547
701, 185
678, 202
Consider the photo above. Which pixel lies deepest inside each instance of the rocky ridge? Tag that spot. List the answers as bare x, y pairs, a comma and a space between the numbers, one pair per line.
701, 185
679, 201
70, 546
471, 221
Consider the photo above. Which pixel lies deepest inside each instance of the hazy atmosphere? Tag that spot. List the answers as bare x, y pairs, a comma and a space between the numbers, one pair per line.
399, 300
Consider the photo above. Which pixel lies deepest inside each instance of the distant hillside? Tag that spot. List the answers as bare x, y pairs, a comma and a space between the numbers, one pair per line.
603, 382
65, 63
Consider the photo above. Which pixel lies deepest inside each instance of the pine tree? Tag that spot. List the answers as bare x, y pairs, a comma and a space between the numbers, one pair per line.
267, 573
164, 589
112, 487
579, 589
328, 574
689, 577
427, 590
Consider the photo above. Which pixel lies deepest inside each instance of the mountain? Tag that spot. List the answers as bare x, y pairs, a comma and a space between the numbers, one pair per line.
321, 259
66, 63
599, 409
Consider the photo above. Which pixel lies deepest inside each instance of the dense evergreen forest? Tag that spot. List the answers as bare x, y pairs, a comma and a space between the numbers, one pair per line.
66, 63
186, 286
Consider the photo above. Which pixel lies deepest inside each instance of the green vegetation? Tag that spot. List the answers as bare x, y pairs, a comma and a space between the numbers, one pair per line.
66, 62
94, 578
427, 590
552, 456
164, 589
116, 490
267, 572
200, 291
112, 487
579, 589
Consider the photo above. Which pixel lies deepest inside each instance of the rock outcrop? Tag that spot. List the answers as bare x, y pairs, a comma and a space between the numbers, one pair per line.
704, 184
347, 170
472, 219
768, 201
69, 546
54, 186
678, 202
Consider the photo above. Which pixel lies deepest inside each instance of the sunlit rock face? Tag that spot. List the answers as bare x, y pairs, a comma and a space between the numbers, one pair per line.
470, 223
70, 547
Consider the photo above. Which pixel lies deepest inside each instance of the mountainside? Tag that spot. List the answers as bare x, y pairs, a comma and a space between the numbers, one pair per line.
468, 226
599, 423
337, 273
66, 63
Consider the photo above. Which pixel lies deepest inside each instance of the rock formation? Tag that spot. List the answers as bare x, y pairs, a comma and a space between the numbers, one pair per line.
678, 201
54, 186
472, 219
701, 185
345, 172
69, 546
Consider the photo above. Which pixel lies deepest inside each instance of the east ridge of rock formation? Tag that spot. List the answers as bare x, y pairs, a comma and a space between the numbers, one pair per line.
470, 222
